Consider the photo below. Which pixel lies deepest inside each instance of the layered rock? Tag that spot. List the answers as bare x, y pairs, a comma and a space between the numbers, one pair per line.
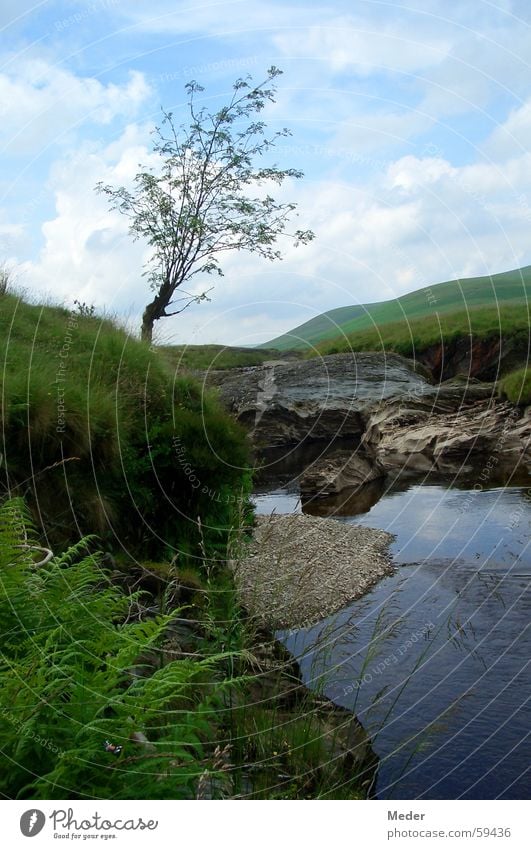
289, 402
383, 407
450, 441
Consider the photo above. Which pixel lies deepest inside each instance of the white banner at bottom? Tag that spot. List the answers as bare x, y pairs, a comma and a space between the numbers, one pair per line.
253, 825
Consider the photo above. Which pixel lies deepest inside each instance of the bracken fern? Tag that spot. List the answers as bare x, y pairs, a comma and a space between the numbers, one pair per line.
71, 677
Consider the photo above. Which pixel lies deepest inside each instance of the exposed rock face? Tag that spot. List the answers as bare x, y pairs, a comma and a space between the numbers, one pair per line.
287, 402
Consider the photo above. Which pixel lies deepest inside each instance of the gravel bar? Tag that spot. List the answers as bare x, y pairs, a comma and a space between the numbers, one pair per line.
298, 569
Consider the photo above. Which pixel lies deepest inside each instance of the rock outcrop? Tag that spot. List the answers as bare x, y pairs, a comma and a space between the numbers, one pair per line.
286, 403
382, 409
449, 441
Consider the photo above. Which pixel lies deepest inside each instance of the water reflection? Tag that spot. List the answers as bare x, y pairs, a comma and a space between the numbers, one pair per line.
350, 502
435, 660
282, 466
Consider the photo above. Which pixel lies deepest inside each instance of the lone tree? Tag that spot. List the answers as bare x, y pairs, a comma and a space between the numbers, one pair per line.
199, 202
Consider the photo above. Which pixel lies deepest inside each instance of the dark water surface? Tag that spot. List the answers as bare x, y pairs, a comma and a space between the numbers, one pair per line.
435, 659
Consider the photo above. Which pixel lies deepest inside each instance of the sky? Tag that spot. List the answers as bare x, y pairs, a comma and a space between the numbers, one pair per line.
411, 121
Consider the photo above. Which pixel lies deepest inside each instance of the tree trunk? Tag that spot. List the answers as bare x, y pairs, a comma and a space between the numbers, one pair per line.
155, 310
148, 321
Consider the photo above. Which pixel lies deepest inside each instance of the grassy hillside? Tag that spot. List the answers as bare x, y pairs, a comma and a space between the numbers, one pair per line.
453, 297
101, 435
409, 338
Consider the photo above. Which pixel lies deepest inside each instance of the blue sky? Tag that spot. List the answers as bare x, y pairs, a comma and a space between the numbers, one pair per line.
410, 120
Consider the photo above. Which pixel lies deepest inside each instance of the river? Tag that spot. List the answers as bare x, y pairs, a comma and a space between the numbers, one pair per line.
434, 660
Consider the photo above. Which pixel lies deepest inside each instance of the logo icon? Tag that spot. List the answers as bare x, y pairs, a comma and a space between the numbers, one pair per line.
32, 822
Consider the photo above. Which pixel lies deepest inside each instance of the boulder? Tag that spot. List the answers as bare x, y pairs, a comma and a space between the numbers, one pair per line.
339, 471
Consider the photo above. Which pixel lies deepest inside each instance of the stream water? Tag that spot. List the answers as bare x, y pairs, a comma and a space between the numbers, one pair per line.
434, 660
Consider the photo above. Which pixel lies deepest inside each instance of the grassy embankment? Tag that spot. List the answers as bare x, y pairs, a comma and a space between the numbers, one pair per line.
516, 386
155, 655
208, 357
410, 337
101, 436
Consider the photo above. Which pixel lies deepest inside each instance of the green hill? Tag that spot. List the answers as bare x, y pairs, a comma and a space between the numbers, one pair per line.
414, 337
455, 296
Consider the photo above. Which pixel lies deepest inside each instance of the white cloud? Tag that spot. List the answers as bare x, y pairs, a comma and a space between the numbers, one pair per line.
513, 137
347, 43
87, 251
227, 17
41, 101
407, 70
489, 59
420, 222
410, 172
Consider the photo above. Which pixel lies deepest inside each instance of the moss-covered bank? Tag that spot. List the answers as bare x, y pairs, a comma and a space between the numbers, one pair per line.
100, 435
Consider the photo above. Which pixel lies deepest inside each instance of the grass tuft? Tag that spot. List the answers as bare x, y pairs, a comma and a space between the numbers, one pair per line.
516, 386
